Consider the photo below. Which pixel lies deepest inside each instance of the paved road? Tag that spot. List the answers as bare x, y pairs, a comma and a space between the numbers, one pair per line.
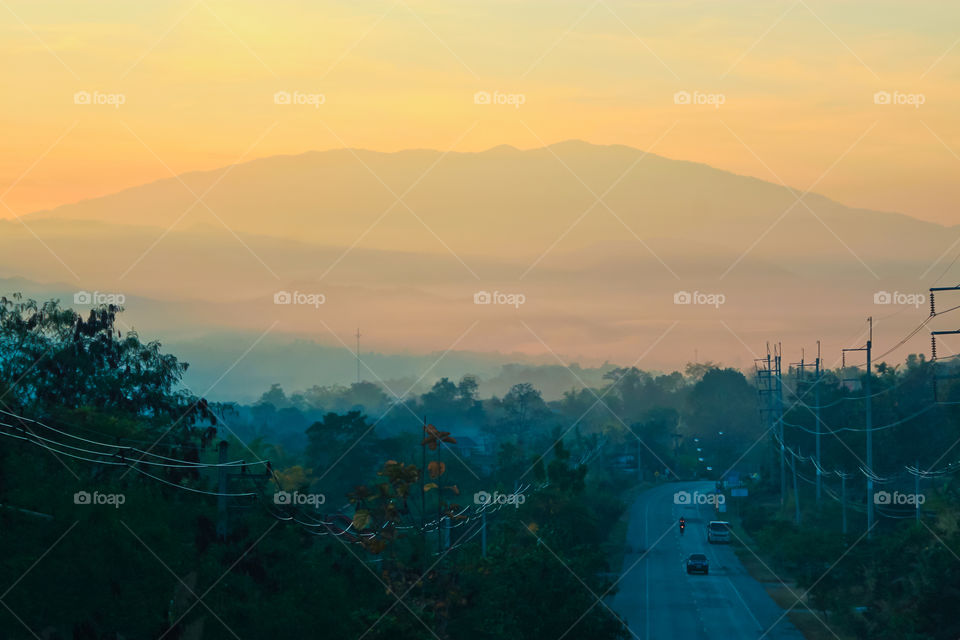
660, 601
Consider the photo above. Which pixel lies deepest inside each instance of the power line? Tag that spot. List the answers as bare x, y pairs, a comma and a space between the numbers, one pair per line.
881, 428
121, 449
113, 452
185, 488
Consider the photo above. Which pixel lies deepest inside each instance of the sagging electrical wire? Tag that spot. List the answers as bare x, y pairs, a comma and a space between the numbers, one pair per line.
122, 448
862, 430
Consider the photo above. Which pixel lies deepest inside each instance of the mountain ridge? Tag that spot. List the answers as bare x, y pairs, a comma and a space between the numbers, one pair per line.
599, 279
575, 144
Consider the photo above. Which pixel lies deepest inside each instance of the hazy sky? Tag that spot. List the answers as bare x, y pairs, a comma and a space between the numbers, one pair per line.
197, 80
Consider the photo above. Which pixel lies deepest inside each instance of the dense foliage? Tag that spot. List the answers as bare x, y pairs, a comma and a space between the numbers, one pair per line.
153, 565
157, 564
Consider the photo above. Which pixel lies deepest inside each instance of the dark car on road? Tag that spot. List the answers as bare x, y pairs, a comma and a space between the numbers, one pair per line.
697, 563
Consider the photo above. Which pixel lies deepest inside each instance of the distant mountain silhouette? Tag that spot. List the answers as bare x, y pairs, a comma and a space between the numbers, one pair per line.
504, 202
599, 278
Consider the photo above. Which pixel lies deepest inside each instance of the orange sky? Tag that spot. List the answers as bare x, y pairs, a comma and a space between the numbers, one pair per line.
197, 81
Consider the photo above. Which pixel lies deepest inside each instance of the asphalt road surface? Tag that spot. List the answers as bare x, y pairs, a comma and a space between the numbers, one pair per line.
660, 601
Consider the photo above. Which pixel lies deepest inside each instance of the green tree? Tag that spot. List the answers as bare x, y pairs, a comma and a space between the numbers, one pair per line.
523, 409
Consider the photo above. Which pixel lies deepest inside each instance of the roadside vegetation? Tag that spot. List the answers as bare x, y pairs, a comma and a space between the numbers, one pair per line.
898, 582
110, 519
367, 514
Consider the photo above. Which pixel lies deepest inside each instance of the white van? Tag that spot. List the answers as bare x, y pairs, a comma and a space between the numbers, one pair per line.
718, 531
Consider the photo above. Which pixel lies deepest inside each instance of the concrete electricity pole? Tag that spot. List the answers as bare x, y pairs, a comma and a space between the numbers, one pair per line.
869, 434
916, 491
768, 404
796, 492
801, 374
779, 382
843, 500
869, 424
222, 491
816, 400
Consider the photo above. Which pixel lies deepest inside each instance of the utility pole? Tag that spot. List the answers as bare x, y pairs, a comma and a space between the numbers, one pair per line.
816, 400
869, 424
222, 491
870, 504
843, 500
358, 355
933, 340
783, 470
933, 359
765, 388
801, 375
423, 471
916, 491
440, 517
796, 494
817, 373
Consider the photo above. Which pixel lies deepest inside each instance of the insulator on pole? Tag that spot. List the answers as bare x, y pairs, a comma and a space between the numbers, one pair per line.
933, 359
932, 311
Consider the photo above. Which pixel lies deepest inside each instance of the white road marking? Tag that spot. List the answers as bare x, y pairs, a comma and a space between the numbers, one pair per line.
744, 603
